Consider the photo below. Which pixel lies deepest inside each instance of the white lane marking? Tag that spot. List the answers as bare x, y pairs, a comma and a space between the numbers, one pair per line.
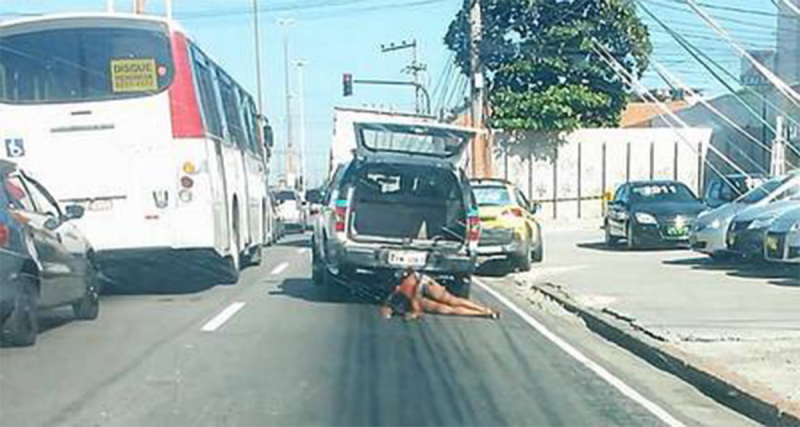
301, 251
223, 316
279, 269
617, 383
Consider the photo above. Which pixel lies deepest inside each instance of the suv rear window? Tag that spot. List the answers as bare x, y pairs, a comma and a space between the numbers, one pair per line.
413, 139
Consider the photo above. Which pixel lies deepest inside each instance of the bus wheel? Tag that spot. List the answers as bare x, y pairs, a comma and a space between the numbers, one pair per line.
234, 259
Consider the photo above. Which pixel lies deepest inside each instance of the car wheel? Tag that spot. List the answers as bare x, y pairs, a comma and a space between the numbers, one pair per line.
317, 269
461, 286
88, 307
22, 324
538, 253
611, 241
522, 261
631, 238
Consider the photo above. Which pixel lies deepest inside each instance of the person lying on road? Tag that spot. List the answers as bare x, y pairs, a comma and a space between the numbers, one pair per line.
418, 293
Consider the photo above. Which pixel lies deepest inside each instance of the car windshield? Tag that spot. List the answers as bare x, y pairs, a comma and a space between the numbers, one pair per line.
492, 196
283, 196
662, 192
759, 193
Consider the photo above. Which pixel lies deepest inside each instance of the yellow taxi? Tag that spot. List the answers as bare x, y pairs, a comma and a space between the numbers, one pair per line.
508, 227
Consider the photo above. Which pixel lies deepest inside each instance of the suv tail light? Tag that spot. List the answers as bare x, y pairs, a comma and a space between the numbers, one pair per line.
340, 213
515, 211
473, 228
5, 235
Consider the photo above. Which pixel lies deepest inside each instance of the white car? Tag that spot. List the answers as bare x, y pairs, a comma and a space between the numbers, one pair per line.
291, 210
709, 230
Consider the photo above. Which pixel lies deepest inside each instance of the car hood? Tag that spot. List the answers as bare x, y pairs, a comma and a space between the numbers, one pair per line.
723, 213
786, 221
769, 209
670, 209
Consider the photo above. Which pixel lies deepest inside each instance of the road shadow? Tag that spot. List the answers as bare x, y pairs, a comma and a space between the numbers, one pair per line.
603, 247
790, 282
494, 268
763, 270
702, 263
304, 289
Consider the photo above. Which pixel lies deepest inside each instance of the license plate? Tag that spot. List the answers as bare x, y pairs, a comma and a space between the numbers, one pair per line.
101, 205
676, 231
772, 244
407, 258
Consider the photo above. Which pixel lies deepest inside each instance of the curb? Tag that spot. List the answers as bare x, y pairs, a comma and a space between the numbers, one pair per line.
722, 385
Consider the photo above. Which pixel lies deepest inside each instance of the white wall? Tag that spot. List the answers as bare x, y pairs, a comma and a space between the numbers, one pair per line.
590, 174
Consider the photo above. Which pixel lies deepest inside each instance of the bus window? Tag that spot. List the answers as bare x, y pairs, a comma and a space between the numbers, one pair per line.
73, 64
232, 118
250, 123
208, 97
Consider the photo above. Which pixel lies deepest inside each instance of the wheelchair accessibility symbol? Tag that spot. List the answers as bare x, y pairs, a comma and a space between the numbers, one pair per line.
15, 147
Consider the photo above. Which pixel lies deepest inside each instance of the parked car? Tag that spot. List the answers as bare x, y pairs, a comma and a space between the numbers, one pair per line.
290, 210
748, 229
402, 202
727, 188
508, 227
312, 206
46, 261
782, 243
709, 231
651, 213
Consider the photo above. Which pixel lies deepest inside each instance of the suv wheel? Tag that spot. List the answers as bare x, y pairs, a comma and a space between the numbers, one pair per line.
538, 253
22, 324
88, 307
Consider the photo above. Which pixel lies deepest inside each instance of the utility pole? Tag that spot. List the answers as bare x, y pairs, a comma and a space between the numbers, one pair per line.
290, 172
257, 35
481, 166
300, 99
415, 68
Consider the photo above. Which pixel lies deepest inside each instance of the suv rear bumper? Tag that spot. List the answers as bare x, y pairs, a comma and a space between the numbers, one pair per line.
376, 257
499, 242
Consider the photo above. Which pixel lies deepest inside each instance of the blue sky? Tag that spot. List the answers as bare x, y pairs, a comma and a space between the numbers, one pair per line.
337, 36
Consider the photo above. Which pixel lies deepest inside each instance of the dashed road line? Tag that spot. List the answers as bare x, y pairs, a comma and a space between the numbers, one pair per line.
223, 316
279, 268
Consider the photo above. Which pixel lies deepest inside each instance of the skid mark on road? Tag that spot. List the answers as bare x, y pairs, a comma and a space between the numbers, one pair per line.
607, 376
279, 268
223, 316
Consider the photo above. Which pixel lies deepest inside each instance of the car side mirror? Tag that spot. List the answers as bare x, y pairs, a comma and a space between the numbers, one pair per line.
74, 212
51, 223
536, 207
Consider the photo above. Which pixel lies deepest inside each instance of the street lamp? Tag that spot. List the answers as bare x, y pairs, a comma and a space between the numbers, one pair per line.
301, 101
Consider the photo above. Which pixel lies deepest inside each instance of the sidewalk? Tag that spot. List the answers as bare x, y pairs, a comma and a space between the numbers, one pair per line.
739, 323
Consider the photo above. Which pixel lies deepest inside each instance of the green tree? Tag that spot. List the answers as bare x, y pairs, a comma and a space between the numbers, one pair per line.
542, 71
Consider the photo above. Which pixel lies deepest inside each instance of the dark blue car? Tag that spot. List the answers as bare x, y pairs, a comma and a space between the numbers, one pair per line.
44, 259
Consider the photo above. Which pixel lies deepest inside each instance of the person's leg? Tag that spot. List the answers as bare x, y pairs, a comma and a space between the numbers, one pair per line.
440, 294
435, 307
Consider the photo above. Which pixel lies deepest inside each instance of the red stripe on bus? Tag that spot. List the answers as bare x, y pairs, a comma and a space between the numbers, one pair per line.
184, 108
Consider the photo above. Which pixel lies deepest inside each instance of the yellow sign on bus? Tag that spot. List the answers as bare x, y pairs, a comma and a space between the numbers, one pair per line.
134, 75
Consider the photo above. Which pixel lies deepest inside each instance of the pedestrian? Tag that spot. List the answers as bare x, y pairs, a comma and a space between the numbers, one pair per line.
419, 293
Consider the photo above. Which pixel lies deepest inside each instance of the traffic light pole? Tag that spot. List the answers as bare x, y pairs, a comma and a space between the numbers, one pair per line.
417, 86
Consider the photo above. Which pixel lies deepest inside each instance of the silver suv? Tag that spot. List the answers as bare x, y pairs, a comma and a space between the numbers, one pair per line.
402, 202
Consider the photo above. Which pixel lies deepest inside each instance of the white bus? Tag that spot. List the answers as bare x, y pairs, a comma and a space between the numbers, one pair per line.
126, 116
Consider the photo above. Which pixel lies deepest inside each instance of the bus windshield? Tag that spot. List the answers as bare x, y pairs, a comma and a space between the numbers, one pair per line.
76, 64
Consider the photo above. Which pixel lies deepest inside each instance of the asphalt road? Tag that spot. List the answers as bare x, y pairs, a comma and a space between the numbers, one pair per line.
275, 350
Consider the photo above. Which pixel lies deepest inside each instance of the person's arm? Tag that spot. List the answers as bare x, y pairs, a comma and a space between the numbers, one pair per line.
386, 309
416, 310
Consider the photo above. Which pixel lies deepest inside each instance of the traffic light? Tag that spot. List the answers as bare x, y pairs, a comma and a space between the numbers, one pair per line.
347, 84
